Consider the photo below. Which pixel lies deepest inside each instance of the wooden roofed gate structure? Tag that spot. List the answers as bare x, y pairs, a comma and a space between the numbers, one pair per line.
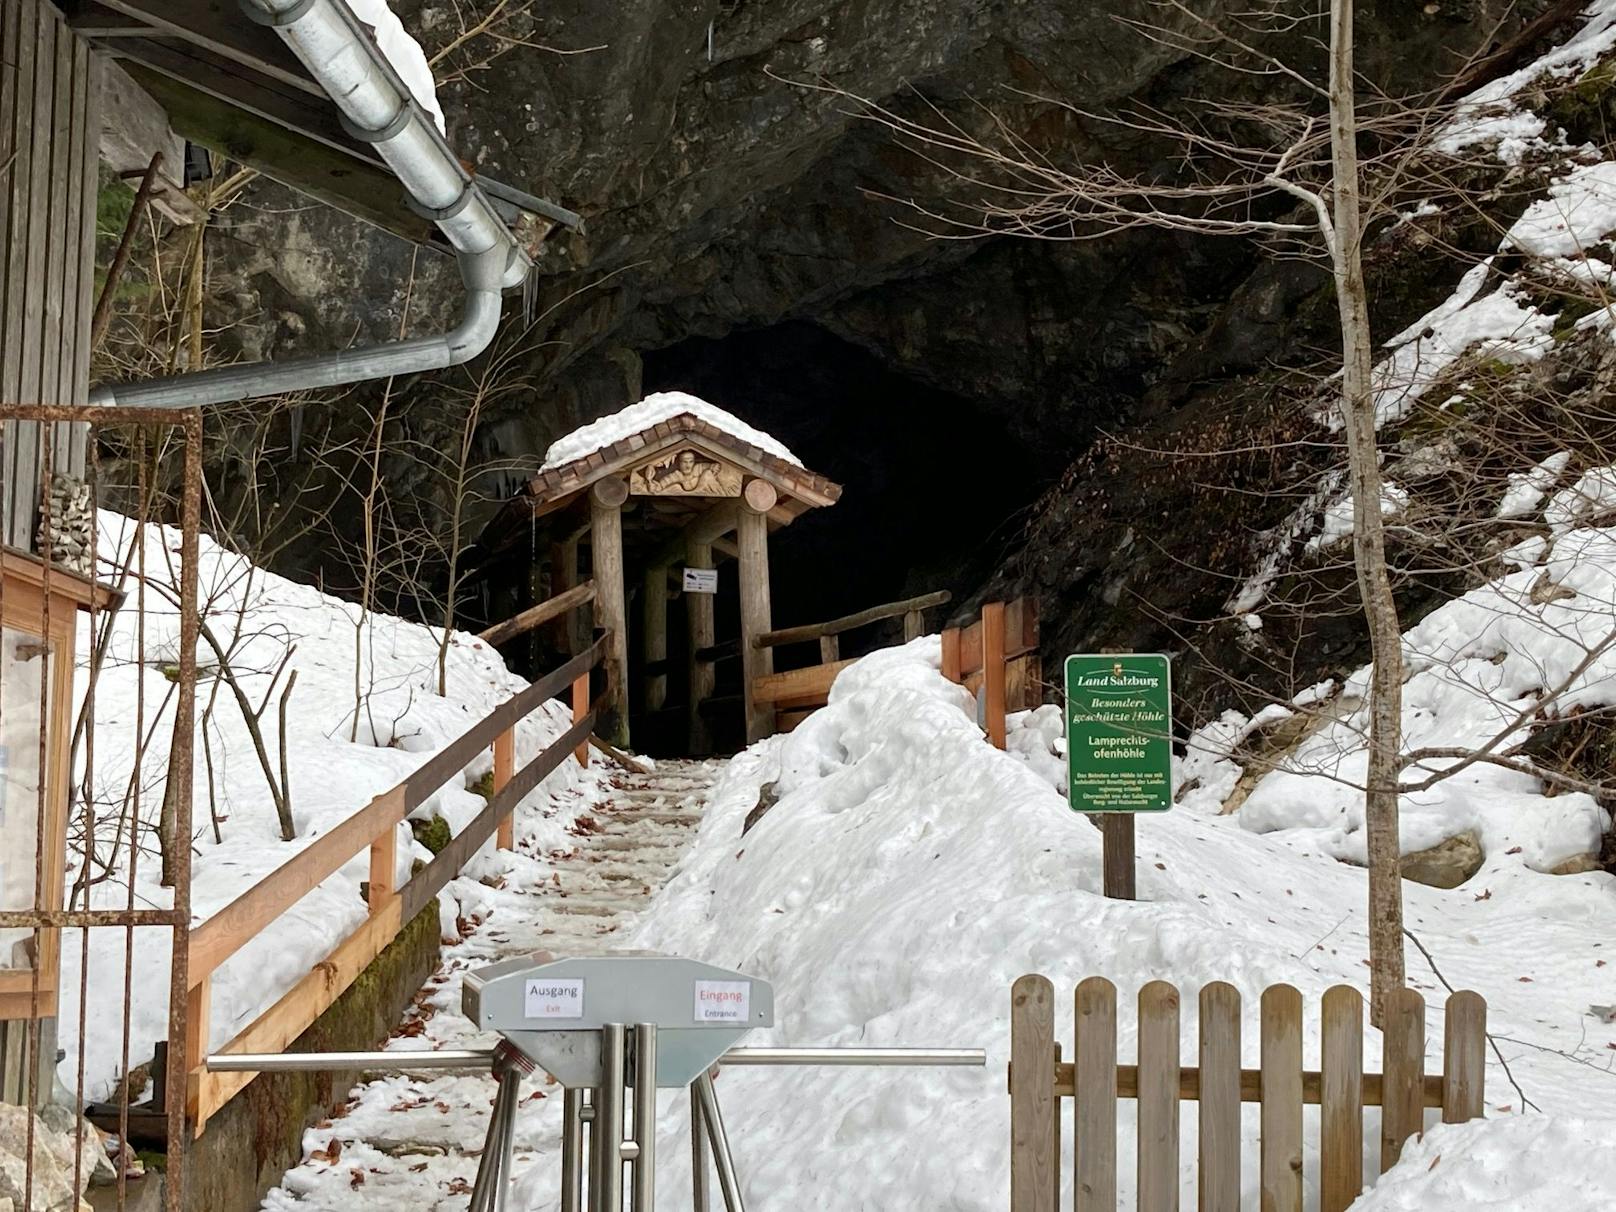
679, 493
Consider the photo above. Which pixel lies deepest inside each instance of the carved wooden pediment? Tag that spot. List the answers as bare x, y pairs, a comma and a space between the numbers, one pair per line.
685, 472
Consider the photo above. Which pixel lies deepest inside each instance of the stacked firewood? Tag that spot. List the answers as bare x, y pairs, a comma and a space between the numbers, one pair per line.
64, 529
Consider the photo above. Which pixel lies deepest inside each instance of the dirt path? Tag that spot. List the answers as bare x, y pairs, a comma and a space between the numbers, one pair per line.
411, 1143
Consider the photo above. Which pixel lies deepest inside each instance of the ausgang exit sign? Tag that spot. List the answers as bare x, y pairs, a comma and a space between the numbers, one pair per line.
1119, 724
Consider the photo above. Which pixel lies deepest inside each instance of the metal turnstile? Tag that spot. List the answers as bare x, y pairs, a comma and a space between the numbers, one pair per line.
612, 1029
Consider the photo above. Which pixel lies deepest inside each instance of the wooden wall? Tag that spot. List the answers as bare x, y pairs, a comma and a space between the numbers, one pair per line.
49, 132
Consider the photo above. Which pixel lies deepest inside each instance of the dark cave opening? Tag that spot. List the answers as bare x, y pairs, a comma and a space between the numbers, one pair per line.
932, 484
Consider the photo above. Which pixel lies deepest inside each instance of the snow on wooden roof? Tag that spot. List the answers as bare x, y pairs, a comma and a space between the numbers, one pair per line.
663, 424
638, 418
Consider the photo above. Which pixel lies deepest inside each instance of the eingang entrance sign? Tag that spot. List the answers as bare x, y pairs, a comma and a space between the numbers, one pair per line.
1119, 723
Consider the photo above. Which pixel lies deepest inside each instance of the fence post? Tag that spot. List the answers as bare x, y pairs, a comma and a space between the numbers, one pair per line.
198, 1009
580, 708
1341, 1095
1032, 1095
1157, 1155
504, 767
1464, 1064
1218, 1119
383, 867
1281, 1099
993, 670
1094, 1083
1402, 1112
951, 654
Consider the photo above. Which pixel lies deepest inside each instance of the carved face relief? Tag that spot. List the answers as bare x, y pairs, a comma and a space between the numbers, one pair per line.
685, 473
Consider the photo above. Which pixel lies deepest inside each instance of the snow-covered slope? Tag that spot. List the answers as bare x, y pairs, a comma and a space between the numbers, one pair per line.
909, 873
385, 671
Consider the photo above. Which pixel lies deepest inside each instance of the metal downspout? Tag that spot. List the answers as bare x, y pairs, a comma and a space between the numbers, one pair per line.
378, 108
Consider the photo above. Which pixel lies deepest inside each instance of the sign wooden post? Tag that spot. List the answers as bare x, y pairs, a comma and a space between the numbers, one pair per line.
1119, 722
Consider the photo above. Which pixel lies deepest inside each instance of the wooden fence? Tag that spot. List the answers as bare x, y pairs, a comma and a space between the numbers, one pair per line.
373, 827
1159, 1083
997, 657
798, 693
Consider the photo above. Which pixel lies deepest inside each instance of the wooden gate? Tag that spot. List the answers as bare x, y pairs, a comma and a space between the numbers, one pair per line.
1158, 1082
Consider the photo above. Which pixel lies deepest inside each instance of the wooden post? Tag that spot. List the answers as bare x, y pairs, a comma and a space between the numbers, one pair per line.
1094, 1083
654, 609
606, 499
752, 537
1156, 1170
699, 620
1218, 1117
830, 649
914, 625
993, 671
951, 654
569, 629
580, 708
504, 767
1341, 1100
198, 1009
1281, 1115
1034, 1160
383, 867
1117, 861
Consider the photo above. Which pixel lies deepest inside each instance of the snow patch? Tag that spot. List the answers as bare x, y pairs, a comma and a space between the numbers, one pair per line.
403, 52
663, 406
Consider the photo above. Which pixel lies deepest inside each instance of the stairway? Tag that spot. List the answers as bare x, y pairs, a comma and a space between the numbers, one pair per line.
411, 1142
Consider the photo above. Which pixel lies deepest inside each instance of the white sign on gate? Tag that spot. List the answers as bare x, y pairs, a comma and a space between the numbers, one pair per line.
554, 999
723, 1001
701, 580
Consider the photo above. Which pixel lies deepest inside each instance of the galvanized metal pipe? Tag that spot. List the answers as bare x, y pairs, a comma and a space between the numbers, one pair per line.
606, 1193
510, 1083
481, 1058
380, 110
572, 1151
862, 1057
643, 1193
698, 1154
723, 1160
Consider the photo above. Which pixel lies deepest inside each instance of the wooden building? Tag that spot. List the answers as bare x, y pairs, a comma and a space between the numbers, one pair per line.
676, 494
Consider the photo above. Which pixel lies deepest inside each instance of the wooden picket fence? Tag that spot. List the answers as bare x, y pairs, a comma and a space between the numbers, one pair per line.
1159, 1083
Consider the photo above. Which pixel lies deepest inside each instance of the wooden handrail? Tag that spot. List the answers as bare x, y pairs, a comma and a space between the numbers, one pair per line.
815, 631
227, 931
534, 616
722, 651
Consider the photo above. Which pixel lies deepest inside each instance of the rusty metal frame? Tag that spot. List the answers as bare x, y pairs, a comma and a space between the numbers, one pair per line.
188, 424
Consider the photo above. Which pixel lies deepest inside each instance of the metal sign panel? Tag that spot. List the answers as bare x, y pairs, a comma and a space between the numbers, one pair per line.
553, 1010
701, 580
1119, 724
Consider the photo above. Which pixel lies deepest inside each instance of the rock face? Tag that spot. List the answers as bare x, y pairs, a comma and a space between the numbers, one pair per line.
1447, 864
728, 184
52, 1188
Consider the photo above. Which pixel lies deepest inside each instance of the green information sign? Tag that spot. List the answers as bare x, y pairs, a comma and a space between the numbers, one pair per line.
1119, 723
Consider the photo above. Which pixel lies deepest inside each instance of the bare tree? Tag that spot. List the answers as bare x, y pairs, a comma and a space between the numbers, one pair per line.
1286, 172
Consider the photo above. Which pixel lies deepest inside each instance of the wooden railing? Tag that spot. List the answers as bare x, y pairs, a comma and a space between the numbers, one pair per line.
797, 693
375, 827
1159, 1083
996, 656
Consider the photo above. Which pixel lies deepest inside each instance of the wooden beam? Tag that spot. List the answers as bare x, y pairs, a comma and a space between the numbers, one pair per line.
993, 675
756, 663
337, 178
611, 605
702, 633
891, 610
534, 616
1189, 1085
809, 684
219, 27
702, 531
654, 635
313, 117
94, 21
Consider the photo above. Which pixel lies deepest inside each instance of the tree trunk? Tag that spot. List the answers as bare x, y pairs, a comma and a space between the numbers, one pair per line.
1368, 533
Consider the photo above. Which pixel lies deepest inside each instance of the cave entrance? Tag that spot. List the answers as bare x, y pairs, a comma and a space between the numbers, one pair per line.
653, 501
935, 481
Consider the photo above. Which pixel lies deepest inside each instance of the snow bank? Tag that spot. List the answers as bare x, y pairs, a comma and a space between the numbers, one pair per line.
662, 406
1554, 1163
1474, 664
908, 873
387, 671
403, 52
